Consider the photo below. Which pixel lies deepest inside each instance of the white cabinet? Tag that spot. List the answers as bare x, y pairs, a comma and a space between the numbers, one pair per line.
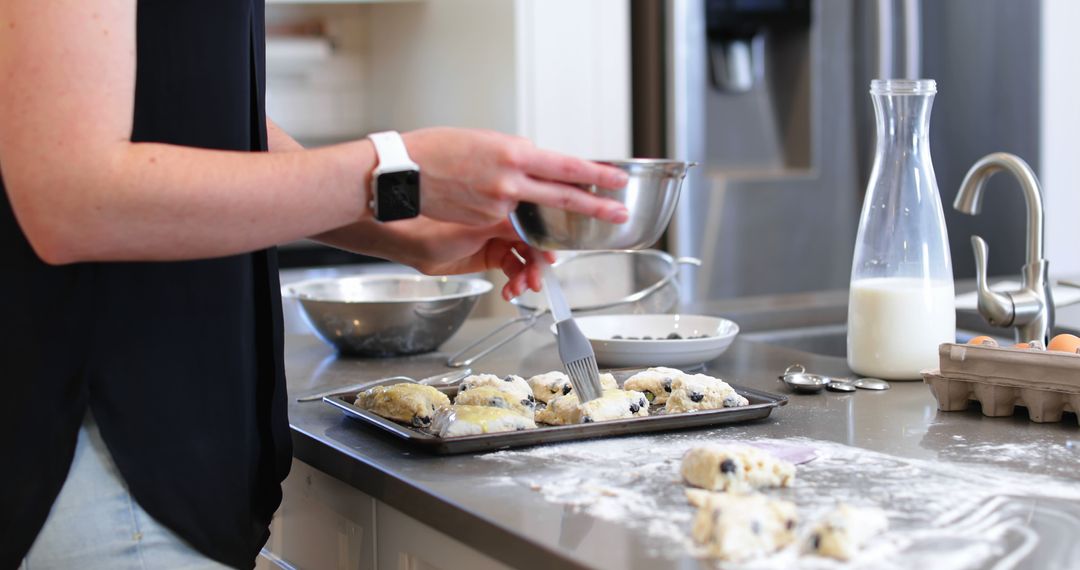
555, 71
324, 523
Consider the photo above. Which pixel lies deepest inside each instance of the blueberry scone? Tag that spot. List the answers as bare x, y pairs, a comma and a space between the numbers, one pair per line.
737, 528
735, 468
844, 530
410, 403
509, 383
495, 396
702, 392
655, 383
612, 405
458, 420
550, 385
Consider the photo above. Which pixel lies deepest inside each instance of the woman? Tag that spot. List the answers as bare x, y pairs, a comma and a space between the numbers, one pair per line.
144, 409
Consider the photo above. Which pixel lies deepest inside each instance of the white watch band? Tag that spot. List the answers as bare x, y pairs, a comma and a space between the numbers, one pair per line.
390, 148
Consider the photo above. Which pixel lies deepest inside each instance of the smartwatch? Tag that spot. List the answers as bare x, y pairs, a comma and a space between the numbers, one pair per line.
395, 183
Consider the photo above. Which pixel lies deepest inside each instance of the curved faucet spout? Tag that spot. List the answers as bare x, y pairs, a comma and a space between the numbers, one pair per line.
969, 198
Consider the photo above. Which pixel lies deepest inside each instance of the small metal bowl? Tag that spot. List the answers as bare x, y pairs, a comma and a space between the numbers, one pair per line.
387, 315
650, 197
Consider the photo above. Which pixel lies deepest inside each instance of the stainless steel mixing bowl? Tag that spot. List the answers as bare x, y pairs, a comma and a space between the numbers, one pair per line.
387, 315
650, 197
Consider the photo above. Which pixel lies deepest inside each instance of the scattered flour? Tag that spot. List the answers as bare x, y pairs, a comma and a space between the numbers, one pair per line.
942, 514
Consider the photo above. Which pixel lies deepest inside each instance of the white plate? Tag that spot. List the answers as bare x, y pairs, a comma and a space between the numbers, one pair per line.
682, 352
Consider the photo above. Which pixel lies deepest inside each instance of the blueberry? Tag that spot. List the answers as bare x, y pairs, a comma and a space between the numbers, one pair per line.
648, 395
728, 466
634, 408
565, 389
667, 385
674, 336
508, 379
617, 337
755, 527
731, 401
642, 403
696, 397
815, 541
531, 398
463, 388
646, 338
527, 402
790, 524
587, 420
420, 421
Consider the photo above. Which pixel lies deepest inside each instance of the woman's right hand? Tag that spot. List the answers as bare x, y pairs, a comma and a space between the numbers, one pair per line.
478, 177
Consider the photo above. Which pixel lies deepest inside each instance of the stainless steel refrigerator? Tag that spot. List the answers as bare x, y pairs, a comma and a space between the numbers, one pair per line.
770, 96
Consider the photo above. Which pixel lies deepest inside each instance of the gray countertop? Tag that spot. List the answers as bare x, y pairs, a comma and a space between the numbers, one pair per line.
488, 504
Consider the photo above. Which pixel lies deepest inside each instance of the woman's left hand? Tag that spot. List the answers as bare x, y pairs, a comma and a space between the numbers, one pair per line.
445, 248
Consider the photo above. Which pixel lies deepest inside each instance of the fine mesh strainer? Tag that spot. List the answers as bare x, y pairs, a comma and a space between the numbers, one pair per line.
595, 283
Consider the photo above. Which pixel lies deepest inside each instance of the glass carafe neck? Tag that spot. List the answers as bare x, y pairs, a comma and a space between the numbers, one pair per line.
902, 108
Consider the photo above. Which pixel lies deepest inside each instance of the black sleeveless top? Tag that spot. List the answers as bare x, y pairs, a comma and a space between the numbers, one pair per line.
180, 362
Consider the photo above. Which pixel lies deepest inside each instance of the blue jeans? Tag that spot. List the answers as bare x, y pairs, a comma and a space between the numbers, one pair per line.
95, 522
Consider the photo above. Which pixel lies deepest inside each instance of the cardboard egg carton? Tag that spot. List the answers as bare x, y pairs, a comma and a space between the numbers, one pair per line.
1046, 383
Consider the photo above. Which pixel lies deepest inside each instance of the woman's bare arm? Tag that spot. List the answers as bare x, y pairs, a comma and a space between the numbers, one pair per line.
82, 191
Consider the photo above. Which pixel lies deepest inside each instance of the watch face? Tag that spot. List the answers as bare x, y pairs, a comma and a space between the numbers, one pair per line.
397, 195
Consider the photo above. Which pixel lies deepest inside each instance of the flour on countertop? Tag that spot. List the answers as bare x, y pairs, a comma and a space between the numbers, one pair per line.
941, 514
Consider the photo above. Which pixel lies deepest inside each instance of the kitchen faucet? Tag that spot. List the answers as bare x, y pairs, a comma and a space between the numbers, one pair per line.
1029, 309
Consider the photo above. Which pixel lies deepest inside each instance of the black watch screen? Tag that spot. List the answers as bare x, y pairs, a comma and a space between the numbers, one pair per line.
397, 195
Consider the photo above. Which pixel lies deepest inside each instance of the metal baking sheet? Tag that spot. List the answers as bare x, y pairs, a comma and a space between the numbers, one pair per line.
761, 406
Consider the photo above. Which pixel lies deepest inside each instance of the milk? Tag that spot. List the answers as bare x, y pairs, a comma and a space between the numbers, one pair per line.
895, 325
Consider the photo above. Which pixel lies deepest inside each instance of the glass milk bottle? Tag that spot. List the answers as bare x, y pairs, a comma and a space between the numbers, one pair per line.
901, 305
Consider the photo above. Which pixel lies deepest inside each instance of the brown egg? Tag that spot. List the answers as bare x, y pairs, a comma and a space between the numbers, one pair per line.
983, 341
1064, 343
1031, 344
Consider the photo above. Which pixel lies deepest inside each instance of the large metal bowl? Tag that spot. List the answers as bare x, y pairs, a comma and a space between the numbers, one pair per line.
650, 197
387, 315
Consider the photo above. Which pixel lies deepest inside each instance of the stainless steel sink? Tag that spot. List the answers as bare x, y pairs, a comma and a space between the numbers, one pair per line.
830, 340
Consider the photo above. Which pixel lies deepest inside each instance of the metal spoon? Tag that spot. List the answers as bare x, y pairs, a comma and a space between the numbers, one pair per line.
796, 377
871, 384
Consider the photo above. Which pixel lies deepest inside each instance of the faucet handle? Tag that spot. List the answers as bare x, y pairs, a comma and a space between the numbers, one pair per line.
997, 308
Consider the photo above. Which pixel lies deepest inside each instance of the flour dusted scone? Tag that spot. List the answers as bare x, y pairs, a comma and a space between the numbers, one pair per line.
735, 468
736, 528
844, 530
410, 403
458, 420
496, 397
655, 383
612, 405
510, 383
550, 385
702, 392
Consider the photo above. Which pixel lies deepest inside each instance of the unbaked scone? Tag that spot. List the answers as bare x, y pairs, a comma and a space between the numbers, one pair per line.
496, 397
735, 468
702, 392
736, 527
655, 383
458, 420
612, 405
550, 385
510, 383
410, 403
844, 530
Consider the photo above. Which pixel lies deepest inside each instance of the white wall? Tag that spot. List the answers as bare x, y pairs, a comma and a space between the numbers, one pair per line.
1060, 144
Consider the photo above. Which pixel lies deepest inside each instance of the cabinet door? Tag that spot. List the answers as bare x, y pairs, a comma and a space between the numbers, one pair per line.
405, 543
322, 523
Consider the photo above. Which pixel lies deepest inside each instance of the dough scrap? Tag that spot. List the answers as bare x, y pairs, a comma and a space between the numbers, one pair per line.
459, 420
413, 404
655, 383
612, 405
734, 527
737, 468
844, 530
701, 392
550, 385
495, 396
